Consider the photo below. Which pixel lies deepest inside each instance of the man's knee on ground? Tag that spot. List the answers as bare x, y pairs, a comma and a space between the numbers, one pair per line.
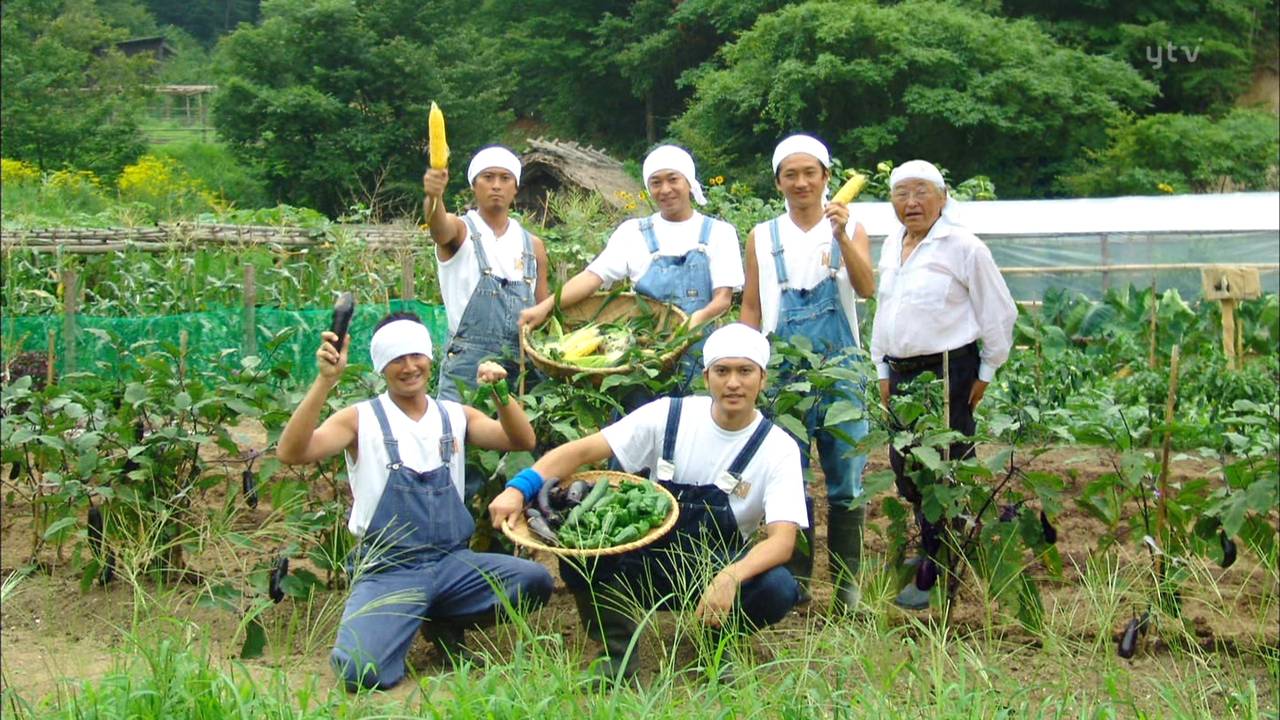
772, 595
532, 588
358, 671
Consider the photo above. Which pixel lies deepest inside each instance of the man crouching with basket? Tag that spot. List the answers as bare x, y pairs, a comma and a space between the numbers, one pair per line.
404, 456
730, 469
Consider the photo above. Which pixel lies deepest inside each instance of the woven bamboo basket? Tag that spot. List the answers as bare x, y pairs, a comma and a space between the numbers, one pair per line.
518, 530
606, 308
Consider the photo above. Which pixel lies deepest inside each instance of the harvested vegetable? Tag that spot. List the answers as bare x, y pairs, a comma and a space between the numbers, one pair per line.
343, 309
438, 147
606, 517
850, 189
593, 345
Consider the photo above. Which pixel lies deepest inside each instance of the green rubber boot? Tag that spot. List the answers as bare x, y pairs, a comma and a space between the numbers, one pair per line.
614, 631
844, 549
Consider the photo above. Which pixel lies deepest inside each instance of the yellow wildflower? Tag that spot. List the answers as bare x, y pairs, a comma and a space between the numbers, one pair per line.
17, 172
1165, 188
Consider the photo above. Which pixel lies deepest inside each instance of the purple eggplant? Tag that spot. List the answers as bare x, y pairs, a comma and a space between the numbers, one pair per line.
1129, 640
249, 484
1228, 549
278, 574
538, 526
577, 491
544, 501
926, 574
1009, 513
1050, 532
343, 309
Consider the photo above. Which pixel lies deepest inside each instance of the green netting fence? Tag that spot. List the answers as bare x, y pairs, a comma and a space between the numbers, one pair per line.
282, 337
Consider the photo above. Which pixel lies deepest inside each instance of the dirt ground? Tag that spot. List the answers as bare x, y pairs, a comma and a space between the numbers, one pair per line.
50, 631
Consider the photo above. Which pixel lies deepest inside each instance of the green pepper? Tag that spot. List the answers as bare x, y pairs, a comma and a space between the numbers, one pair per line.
627, 534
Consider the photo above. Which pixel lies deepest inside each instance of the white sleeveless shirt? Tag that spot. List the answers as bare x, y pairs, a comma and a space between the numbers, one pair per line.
419, 450
460, 274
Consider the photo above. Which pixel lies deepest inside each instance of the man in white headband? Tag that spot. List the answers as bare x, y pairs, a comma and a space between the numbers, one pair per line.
733, 472
941, 296
405, 455
677, 255
490, 268
805, 269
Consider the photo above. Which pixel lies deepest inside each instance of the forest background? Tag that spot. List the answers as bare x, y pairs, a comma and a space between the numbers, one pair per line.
322, 104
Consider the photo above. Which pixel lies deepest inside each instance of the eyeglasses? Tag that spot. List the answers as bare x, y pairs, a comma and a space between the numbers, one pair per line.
919, 193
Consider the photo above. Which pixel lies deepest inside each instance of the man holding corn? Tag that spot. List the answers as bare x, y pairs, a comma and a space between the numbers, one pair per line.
940, 293
677, 255
804, 270
491, 269
733, 473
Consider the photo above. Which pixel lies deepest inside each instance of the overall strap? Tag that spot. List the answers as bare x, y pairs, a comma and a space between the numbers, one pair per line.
833, 263
388, 439
705, 235
646, 230
779, 266
446, 435
481, 258
748, 451
673, 425
530, 262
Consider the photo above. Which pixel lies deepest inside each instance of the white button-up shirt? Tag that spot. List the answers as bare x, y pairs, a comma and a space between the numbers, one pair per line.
948, 294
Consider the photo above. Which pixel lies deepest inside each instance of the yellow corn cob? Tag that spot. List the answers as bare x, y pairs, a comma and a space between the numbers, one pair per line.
581, 342
438, 148
850, 189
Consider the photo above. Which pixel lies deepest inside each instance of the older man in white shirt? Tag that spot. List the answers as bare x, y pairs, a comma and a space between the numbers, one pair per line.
940, 292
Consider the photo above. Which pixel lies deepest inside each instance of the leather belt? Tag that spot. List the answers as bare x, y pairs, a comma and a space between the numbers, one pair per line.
921, 362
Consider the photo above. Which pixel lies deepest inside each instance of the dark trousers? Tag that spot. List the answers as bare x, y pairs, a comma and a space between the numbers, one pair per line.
964, 363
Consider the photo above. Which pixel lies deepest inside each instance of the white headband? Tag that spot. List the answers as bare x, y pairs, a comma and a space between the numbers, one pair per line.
736, 341
670, 157
398, 338
917, 170
927, 171
490, 157
806, 144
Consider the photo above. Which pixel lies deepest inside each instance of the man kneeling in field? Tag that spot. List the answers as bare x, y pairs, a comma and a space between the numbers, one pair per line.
729, 468
404, 455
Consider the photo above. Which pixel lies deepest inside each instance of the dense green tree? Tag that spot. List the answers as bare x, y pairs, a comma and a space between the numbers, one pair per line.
328, 99
976, 93
1184, 153
68, 100
1201, 54
205, 20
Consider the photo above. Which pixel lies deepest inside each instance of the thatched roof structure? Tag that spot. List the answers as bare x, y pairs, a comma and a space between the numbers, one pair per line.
566, 165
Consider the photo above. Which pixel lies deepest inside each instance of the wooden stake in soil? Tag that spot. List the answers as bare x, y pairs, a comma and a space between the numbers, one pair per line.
50, 372
1161, 501
406, 278
183, 337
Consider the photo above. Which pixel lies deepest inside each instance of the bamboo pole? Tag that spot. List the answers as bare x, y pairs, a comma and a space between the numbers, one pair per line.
946, 398
1170, 401
50, 372
183, 337
250, 311
1155, 306
406, 278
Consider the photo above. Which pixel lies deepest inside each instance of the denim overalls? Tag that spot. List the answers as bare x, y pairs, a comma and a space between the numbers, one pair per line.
670, 571
684, 280
413, 563
816, 313
489, 327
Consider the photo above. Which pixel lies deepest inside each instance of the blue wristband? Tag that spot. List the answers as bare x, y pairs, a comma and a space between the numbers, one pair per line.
528, 481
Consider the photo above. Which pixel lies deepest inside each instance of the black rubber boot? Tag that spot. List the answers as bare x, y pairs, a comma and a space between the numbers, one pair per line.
448, 635
614, 631
801, 562
844, 548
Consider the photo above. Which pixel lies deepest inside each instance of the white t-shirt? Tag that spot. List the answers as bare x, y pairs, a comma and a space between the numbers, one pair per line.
807, 256
627, 255
460, 273
419, 450
704, 451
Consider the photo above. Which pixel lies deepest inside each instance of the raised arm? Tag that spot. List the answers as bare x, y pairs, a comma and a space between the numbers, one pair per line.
578, 288
302, 442
750, 314
447, 230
